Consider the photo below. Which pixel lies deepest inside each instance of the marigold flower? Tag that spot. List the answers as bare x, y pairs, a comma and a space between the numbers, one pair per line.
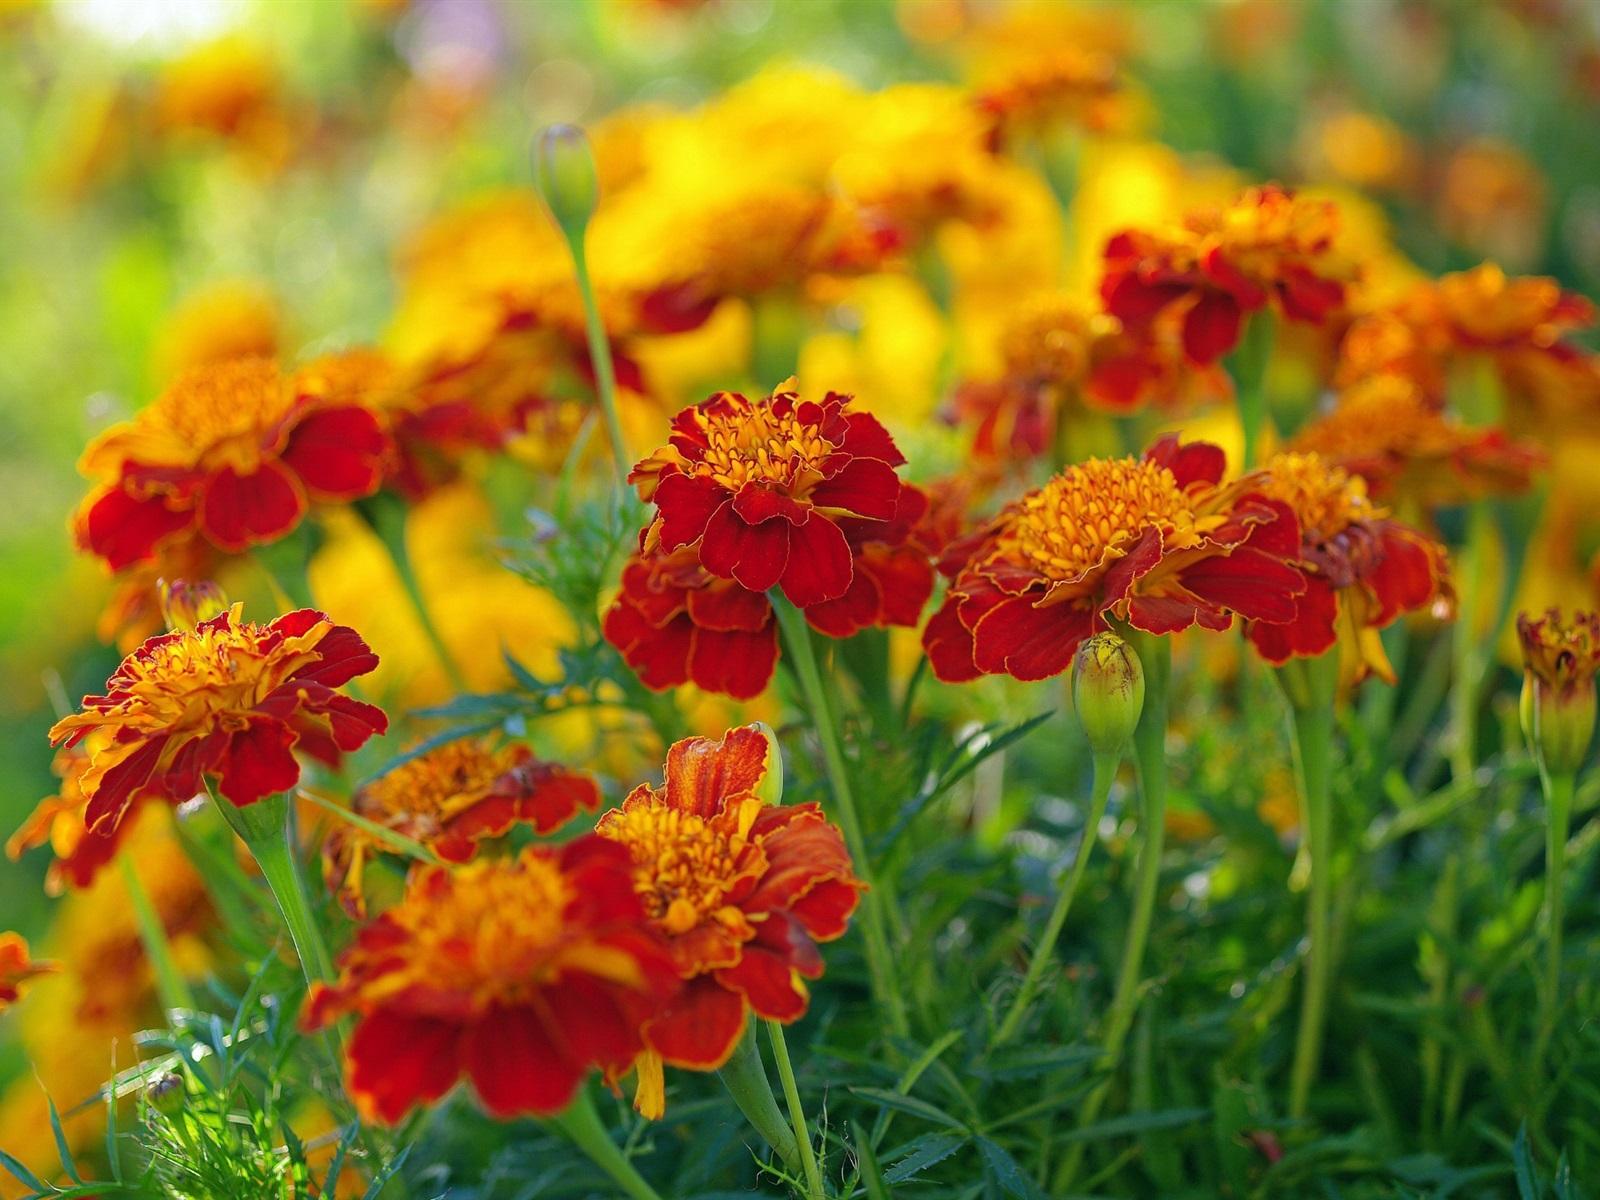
892, 570
1559, 661
232, 450
232, 700
1158, 542
760, 487
1384, 430
59, 821
1219, 265
16, 968
450, 798
1362, 569
674, 623
519, 975
741, 891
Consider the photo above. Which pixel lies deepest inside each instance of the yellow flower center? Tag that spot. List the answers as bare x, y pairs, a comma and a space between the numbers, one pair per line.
685, 864
199, 678
495, 931
1093, 512
212, 405
757, 444
435, 786
1326, 499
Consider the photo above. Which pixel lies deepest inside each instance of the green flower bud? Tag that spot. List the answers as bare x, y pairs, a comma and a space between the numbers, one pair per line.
185, 603
1559, 661
563, 166
1107, 691
166, 1093
771, 787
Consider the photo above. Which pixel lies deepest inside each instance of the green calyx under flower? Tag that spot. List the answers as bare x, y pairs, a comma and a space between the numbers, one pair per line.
1560, 660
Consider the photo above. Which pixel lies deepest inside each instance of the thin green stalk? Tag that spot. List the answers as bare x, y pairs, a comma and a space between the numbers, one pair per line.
1150, 756
745, 1077
1467, 673
1558, 789
1249, 368
797, 1114
171, 986
1105, 770
605, 371
1313, 720
580, 1122
386, 514
797, 643
265, 827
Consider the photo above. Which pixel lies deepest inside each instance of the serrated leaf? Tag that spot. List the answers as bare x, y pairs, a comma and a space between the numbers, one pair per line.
926, 1151
1007, 1172
910, 1105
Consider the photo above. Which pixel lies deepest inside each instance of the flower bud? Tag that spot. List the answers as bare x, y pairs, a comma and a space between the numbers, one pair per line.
1107, 691
770, 789
185, 603
1559, 662
166, 1093
564, 168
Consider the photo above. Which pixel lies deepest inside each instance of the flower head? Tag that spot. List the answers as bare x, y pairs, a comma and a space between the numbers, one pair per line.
519, 975
892, 570
1159, 542
1384, 430
232, 700
232, 450
1219, 265
742, 891
450, 798
59, 821
1362, 568
1559, 661
759, 487
16, 968
674, 623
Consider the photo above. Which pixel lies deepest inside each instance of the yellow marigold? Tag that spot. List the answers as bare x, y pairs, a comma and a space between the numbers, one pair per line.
232, 90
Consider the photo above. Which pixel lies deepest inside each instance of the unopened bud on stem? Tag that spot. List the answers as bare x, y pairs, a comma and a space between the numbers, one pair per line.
1559, 662
563, 166
1107, 691
185, 603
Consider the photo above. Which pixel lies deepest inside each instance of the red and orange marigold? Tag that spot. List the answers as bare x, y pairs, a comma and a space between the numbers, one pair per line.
1219, 265
230, 700
759, 488
519, 975
233, 450
741, 891
1159, 542
59, 821
450, 799
16, 968
1363, 569
674, 623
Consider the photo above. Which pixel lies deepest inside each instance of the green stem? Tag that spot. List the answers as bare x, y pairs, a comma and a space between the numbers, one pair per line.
1465, 694
171, 986
745, 1077
605, 371
386, 514
1558, 791
1105, 770
797, 642
580, 1122
1249, 368
797, 1114
1150, 756
267, 829
1313, 729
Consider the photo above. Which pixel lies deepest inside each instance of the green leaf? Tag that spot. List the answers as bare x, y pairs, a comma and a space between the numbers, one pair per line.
924, 1152
23, 1176
910, 1105
63, 1150
871, 1174
1007, 1172
1522, 1159
1169, 1118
